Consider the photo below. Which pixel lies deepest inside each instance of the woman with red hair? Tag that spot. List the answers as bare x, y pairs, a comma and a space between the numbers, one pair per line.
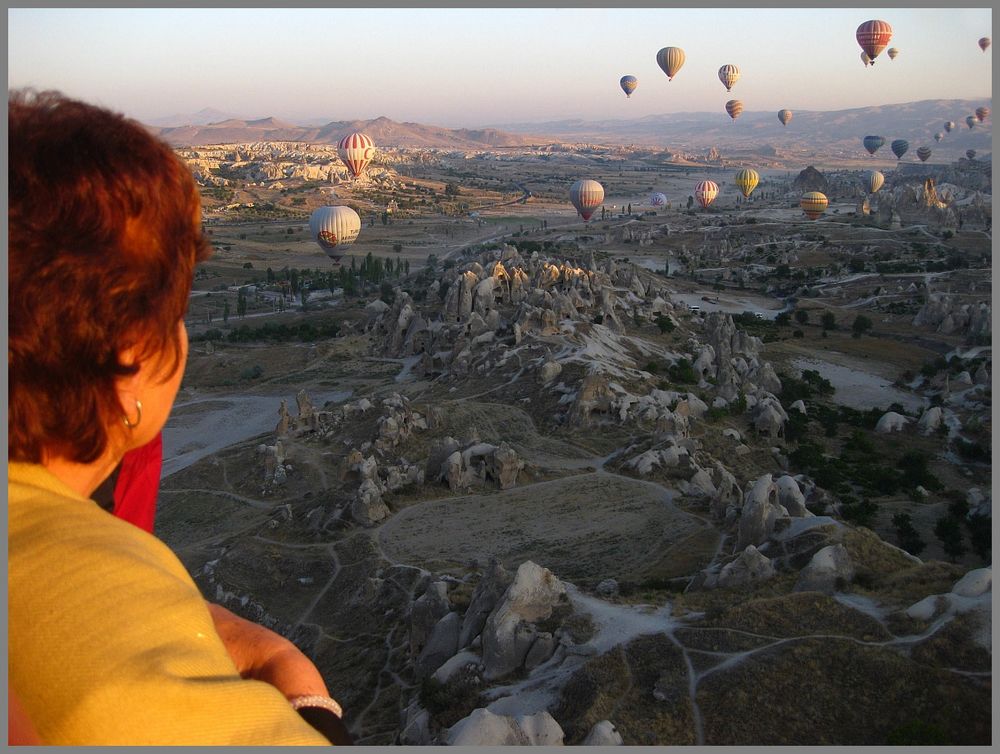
109, 639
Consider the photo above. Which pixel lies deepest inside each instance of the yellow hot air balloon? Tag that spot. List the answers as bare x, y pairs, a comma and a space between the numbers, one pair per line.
784, 116
334, 229
814, 204
729, 74
747, 180
587, 196
875, 181
734, 107
865, 59
670, 60
892, 52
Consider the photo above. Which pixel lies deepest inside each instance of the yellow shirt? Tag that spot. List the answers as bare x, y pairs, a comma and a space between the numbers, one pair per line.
109, 639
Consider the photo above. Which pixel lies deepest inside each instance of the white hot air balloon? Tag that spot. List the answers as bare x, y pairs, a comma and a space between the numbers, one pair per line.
334, 229
657, 199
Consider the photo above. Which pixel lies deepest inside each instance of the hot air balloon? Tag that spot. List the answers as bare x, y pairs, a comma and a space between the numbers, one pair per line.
705, 192
813, 204
873, 143
628, 84
734, 107
873, 36
746, 180
982, 113
970, 153
899, 147
923, 153
356, 150
587, 196
729, 75
865, 59
656, 199
334, 229
892, 52
784, 116
875, 181
970, 121
670, 60
949, 126
984, 42
938, 136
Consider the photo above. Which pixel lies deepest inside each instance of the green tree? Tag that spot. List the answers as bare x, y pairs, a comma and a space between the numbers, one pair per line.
225, 312
801, 316
241, 304
451, 189
829, 321
909, 539
861, 325
948, 531
387, 293
397, 247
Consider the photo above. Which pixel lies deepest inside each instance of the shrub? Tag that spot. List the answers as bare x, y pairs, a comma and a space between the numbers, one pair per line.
665, 324
918, 733
683, 372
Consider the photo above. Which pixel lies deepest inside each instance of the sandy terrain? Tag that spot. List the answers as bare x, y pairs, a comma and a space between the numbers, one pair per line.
585, 528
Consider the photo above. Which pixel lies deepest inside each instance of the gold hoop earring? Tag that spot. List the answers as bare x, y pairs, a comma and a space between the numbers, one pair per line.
138, 416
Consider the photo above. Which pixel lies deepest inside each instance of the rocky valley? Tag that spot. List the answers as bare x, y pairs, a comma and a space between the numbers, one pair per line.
672, 477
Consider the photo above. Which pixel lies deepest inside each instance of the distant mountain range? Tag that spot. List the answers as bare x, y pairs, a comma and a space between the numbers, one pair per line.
914, 121
384, 132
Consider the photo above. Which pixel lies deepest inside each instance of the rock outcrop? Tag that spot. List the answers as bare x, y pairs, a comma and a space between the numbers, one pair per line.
509, 633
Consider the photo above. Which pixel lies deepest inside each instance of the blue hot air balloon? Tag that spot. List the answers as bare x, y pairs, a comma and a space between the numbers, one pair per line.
628, 84
872, 143
899, 147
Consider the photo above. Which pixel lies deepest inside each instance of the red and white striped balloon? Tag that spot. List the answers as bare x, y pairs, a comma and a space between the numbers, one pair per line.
873, 36
356, 150
587, 196
705, 192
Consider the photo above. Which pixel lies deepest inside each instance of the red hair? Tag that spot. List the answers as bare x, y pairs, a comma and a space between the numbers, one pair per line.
103, 238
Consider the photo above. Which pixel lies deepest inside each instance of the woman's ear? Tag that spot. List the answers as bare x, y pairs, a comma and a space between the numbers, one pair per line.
129, 387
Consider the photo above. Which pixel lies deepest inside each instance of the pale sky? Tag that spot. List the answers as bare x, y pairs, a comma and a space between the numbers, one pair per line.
476, 67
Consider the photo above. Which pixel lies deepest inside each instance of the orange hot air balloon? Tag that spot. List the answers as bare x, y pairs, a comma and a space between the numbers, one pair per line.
982, 113
734, 107
873, 36
984, 42
705, 192
670, 60
784, 116
587, 196
356, 150
814, 204
729, 74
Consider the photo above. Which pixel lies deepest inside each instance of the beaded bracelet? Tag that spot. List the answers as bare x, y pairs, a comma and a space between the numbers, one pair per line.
316, 700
